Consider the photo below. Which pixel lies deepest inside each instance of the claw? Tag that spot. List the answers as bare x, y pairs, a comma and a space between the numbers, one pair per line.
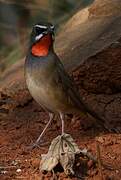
32, 146
37, 145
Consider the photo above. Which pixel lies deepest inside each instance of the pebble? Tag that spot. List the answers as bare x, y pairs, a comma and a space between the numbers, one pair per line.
18, 170
3, 172
117, 171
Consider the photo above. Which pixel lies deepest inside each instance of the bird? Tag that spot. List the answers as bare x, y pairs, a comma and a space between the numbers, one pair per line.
47, 80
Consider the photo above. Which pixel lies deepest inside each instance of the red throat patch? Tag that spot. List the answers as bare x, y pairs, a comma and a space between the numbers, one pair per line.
41, 48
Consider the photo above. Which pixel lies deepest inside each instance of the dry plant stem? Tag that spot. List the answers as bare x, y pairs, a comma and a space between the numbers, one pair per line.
89, 155
54, 175
99, 160
7, 167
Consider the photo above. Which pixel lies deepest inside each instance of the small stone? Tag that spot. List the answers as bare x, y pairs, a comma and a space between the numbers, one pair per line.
3, 172
117, 171
18, 170
15, 162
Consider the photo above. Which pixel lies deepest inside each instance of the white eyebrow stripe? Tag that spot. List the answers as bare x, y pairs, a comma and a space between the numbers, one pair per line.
40, 26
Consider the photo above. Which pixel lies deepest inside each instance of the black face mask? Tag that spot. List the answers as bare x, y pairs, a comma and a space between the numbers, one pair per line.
37, 31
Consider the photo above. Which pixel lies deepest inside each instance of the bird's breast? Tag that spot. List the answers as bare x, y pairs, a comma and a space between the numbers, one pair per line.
46, 92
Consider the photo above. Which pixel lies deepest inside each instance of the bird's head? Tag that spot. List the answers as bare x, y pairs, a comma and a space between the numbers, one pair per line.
42, 38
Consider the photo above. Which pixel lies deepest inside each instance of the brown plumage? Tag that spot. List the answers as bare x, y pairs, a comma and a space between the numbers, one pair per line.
47, 80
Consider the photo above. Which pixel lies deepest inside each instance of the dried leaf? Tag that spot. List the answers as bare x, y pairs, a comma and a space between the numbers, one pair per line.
62, 150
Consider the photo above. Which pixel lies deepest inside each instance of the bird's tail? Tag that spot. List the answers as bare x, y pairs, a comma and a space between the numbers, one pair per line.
100, 120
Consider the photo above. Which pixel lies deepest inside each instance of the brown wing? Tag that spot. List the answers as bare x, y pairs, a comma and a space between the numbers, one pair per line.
69, 87
71, 91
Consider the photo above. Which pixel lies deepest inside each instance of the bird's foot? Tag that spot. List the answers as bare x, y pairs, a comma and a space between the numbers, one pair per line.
32, 146
37, 145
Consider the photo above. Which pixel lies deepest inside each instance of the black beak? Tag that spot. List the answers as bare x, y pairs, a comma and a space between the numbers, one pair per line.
51, 31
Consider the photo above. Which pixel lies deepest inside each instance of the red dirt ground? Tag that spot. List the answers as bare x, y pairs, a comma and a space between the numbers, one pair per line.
16, 133
22, 125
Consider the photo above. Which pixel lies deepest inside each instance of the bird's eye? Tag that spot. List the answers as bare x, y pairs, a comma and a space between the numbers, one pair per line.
39, 30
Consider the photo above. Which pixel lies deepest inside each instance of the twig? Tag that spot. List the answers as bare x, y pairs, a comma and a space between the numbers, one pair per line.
54, 175
89, 155
7, 167
99, 160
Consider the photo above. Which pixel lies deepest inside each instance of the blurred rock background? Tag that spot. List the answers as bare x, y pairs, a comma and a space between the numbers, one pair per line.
17, 18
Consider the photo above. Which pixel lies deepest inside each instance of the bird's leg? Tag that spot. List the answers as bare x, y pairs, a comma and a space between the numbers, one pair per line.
51, 117
62, 117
